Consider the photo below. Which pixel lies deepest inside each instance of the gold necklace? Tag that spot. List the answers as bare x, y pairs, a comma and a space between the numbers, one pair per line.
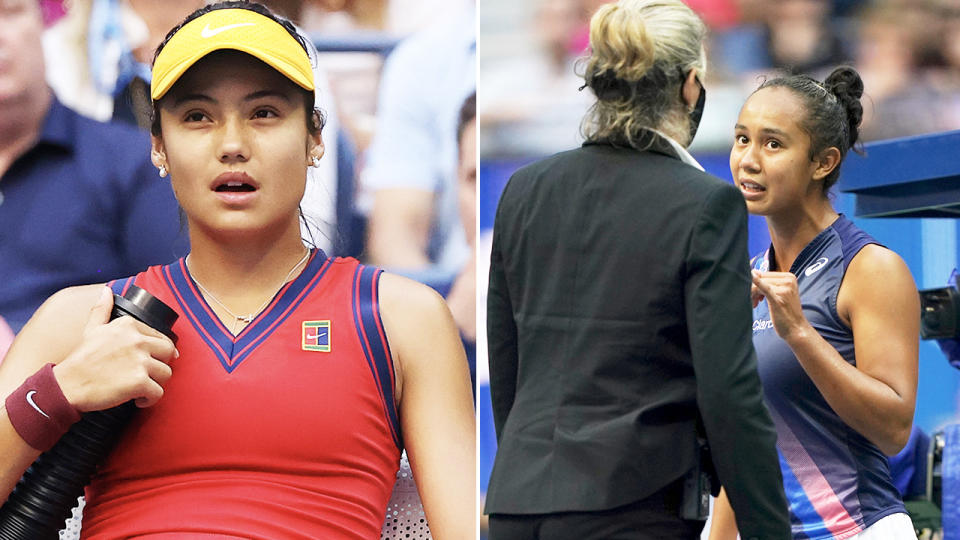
249, 317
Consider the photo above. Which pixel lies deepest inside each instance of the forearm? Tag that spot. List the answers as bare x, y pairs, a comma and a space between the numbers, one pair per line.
723, 525
396, 249
447, 488
439, 434
435, 407
442, 451
871, 407
743, 447
462, 300
399, 228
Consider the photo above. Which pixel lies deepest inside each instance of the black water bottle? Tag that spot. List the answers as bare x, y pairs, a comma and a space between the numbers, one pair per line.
48, 490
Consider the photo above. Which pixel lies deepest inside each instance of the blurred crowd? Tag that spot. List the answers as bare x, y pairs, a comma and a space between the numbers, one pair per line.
908, 52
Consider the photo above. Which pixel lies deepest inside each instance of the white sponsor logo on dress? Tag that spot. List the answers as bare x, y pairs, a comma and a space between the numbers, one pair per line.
821, 262
760, 325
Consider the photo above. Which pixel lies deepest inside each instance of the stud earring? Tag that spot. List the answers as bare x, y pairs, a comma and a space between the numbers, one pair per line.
163, 171
316, 161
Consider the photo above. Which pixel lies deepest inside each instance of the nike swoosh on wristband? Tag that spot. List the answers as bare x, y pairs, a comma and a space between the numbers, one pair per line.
207, 32
34, 405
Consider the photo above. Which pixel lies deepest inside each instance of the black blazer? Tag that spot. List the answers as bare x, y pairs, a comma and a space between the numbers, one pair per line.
618, 309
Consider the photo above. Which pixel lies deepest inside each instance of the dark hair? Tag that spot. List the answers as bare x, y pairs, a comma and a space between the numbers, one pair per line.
468, 112
833, 111
315, 117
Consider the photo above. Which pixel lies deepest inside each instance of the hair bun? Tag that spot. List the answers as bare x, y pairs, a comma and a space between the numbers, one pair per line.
845, 83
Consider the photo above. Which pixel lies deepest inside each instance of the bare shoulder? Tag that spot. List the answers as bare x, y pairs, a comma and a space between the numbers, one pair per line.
876, 260
410, 305
877, 275
412, 313
52, 332
876, 269
408, 297
70, 306
419, 326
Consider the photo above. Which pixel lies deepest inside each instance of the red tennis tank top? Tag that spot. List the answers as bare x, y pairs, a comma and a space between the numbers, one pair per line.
287, 430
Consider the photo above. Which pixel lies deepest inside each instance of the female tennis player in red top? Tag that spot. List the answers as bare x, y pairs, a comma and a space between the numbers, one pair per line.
296, 379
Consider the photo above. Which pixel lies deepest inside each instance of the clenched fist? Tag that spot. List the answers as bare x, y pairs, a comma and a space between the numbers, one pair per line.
783, 298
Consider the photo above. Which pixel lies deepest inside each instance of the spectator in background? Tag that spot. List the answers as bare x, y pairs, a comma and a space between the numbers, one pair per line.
410, 177
462, 298
390, 17
796, 36
580, 39
542, 116
354, 37
901, 100
52, 10
98, 55
344, 16
948, 76
80, 201
800, 36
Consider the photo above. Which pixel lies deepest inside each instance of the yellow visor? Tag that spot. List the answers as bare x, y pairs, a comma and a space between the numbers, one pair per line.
237, 29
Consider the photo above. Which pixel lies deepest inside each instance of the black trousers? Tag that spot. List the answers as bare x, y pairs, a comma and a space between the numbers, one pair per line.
656, 517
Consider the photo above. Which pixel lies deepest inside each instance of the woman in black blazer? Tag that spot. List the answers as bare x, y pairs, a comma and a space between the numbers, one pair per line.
619, 315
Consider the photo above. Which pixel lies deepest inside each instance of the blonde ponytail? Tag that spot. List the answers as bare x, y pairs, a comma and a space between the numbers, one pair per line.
641, 51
